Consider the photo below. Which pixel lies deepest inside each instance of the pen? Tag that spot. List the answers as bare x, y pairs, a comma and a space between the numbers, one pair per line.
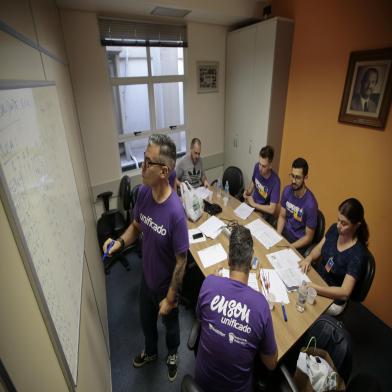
284, 312
107, 250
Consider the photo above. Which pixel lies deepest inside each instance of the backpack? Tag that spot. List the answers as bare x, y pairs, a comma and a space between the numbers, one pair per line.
331, 336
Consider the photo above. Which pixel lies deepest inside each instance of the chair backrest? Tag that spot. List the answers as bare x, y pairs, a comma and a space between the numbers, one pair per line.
236, 180
362, 286
124, 193
320, 228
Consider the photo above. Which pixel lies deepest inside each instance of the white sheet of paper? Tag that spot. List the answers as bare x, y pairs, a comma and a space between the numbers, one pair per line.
212, 227
203, 192
285, 258
225, 272
292, 277
191, 232
243, 211
264, 233
277, 287
212, 255
252, 281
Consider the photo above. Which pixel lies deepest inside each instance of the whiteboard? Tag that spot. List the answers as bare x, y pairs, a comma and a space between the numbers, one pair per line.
39, 192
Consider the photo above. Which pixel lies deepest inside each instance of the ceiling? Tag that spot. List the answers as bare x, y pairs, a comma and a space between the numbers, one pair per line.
221, 12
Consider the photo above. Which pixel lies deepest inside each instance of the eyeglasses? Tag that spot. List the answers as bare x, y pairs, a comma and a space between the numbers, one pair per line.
148, 163
295, 178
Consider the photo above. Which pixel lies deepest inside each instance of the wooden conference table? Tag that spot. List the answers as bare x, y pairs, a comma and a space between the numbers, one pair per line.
286, 333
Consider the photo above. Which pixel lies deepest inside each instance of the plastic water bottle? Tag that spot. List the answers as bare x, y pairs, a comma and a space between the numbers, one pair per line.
226, 194
219, 188
301, 297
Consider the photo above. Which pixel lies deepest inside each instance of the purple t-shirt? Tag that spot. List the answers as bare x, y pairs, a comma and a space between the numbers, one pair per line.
236, 325
267, 190
165, 234
301, 212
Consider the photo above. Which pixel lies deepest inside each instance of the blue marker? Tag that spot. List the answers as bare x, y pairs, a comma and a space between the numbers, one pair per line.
284, 312
107, 250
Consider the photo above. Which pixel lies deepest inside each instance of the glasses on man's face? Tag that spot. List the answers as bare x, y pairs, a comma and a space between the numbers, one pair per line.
295, 178
148, 163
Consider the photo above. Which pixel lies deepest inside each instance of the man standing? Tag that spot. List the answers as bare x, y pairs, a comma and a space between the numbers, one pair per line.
367, 101
264, 190
159, 215
236, 324
298, 213
190, 167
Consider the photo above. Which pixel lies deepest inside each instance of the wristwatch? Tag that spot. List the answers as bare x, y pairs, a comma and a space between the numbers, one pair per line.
121, 241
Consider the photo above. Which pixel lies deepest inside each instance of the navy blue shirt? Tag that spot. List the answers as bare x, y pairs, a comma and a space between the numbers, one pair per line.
351, 261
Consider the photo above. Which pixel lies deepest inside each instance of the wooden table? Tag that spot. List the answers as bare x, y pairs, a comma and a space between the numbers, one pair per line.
286, 333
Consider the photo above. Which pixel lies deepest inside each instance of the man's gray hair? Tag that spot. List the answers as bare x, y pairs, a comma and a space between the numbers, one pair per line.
240, 249
194, 141
167, 149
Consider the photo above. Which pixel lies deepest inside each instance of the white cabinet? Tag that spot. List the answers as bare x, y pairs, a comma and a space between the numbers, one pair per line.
258, 62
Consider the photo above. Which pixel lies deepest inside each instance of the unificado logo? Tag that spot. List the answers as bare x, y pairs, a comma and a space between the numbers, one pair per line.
149, 222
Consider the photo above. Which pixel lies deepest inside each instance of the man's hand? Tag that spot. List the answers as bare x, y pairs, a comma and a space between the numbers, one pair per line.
245, 195
305, 264
165, 307
251, 202
116, 246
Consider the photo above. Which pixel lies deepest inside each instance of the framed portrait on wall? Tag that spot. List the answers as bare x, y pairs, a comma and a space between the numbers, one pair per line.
367, 90
207, 76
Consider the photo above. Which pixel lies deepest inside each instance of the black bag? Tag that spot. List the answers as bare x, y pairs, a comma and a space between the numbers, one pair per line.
212, 209
336, 340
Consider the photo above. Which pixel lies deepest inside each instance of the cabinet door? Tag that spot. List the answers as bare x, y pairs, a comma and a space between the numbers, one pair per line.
239, 78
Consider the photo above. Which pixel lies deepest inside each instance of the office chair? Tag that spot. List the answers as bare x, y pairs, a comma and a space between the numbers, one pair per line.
362, 286
234, 176
113, 222
318, 233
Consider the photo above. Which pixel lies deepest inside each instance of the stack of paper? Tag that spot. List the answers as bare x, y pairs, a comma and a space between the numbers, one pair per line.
212, 255
264, 233
252, 280
285, 263
277, 288
212, 227
243, 211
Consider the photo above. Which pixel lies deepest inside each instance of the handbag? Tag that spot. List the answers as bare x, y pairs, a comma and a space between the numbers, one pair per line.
193, 204
316, 371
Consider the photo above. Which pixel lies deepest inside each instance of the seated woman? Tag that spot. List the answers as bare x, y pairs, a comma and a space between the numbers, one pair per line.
343, 252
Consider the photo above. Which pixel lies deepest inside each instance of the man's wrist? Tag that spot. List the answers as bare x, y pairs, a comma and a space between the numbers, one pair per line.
122, 242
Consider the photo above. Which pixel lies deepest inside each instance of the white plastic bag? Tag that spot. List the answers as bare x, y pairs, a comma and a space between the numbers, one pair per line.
193, 204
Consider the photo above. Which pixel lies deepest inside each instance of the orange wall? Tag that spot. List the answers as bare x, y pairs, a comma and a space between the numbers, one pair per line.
344, 160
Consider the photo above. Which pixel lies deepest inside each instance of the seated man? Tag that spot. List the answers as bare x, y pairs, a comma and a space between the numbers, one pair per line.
236, 324
298, 213
190, 167
264, 190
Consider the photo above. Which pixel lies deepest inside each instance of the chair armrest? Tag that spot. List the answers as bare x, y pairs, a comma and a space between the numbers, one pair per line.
288, 378
193, 338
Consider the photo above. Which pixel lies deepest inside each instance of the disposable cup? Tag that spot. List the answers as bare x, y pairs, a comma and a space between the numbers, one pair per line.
271, 300
311, 296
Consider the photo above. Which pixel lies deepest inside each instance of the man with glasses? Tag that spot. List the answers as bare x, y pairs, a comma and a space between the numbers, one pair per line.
159, 215
264, 190
298, 213
190, 167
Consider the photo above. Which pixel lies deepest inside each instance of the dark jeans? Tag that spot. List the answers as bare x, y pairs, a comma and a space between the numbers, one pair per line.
149, 308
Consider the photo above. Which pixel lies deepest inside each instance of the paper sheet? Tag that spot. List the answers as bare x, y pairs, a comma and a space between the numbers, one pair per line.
203, 192
277, 287
212, 227
252, 280
292, 277
212, 255
285, 258
191, 232
264, 233
243, 211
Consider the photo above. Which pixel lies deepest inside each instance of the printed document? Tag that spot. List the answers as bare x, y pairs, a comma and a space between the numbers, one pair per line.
243, 211
212, 255
212, 227
264, 233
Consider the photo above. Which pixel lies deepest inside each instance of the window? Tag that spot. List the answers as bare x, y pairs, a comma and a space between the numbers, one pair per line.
148, 95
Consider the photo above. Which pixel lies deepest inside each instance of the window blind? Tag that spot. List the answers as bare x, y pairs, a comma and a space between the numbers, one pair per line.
120, 32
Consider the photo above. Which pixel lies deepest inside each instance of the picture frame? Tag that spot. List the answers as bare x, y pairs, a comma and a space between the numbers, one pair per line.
368, 87
207, 76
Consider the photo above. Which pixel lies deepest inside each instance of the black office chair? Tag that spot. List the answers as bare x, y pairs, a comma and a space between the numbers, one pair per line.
113, 222
188, 384
236, 181
318, 233
362, 286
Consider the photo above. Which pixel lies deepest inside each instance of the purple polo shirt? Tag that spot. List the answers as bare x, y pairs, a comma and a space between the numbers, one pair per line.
236, 325
165, 234
267, 190
301, 212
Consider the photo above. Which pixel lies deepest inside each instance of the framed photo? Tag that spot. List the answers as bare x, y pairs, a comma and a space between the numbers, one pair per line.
207, 76
368, 88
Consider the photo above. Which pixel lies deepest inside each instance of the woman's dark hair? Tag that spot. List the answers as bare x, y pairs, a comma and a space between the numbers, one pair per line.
353, 210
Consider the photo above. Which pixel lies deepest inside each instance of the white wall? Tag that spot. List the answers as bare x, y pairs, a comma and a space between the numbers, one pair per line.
25, 347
